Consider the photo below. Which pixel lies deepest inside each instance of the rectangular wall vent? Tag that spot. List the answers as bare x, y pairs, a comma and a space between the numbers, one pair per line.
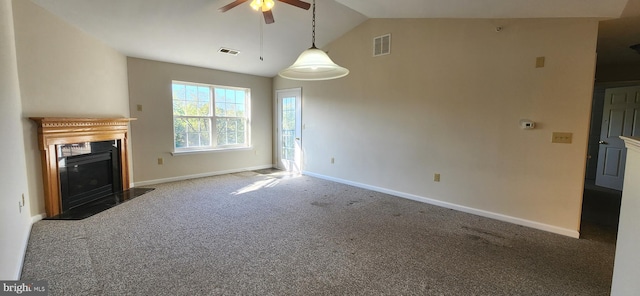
229, 51
382, 45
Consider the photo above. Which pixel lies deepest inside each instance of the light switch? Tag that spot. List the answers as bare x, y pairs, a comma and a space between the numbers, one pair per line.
540, 62
139, 108
562, 138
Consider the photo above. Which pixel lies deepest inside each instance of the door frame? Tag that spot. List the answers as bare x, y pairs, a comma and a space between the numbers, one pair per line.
596, 124
613, 142
597, 106
277, 130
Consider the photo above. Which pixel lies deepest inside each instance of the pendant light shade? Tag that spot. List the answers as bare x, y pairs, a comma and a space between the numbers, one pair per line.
313, 63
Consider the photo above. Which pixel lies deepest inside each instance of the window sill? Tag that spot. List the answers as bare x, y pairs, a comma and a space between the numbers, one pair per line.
214, 150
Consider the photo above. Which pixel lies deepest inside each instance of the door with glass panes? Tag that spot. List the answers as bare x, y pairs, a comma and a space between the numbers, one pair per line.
289, 129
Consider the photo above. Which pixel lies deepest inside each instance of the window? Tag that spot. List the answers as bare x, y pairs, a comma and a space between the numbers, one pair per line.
207, 117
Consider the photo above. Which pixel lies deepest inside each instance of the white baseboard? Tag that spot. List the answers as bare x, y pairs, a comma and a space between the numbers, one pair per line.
209, 174
25, 244
38, 217
483, 213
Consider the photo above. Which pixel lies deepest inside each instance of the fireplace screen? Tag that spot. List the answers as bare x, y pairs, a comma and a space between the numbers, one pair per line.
88, 171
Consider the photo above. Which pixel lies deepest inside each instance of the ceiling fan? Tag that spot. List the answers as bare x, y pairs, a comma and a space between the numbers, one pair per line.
265, 6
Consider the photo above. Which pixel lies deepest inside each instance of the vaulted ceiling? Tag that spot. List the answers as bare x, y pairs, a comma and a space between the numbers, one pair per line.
192, 31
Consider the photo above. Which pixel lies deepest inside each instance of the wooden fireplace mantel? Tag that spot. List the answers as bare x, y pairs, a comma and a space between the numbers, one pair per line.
54, 131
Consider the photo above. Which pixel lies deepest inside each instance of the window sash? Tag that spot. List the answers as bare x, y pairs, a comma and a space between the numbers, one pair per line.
236, 136
235, 133
196, 129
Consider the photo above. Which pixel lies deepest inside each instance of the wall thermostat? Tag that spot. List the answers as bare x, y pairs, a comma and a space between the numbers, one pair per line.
527, 124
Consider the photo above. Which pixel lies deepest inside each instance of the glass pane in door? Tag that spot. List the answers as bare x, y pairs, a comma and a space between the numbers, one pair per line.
288, 128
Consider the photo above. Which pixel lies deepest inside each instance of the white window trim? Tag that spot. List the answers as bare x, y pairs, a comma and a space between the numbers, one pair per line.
214, 149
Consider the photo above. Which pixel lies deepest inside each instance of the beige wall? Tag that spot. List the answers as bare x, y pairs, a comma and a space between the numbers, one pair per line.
448, 100
14, 221
63, 72
627, 265
152, 133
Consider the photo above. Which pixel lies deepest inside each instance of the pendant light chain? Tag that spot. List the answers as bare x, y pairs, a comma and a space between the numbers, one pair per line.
313, 26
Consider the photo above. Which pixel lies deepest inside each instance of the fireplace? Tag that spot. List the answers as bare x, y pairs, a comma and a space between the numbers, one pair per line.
88, 171
83, 159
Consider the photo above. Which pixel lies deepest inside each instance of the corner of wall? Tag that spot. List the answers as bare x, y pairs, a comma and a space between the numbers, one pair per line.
14, 219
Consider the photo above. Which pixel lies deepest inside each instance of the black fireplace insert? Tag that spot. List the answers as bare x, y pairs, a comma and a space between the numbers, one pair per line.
88, 171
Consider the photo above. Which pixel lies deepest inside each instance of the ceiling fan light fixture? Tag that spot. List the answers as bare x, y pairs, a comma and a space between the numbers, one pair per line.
265, 5
256, 4
313, 63
268, 4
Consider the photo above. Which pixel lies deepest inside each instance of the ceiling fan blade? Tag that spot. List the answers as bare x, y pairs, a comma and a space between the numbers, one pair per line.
231, 5
297, 3
268, 17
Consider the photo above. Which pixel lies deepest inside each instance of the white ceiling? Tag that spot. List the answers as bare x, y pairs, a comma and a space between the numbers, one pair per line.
190, 32
486, 8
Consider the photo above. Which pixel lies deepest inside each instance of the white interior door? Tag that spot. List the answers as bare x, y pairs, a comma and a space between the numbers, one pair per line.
290, 129
620, 117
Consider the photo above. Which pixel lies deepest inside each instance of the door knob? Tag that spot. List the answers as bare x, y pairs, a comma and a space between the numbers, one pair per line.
602, 142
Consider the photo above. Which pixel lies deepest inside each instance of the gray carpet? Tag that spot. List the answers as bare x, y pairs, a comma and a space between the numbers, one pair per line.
273, 234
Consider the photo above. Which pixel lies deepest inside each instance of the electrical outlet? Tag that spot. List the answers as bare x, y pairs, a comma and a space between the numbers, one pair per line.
160, 160
540, 62
436, 177
139, 108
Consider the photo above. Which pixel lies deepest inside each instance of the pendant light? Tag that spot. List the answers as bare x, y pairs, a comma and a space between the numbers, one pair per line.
313, 63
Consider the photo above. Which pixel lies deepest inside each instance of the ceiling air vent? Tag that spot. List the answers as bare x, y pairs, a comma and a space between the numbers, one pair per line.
382, 45
229, 51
